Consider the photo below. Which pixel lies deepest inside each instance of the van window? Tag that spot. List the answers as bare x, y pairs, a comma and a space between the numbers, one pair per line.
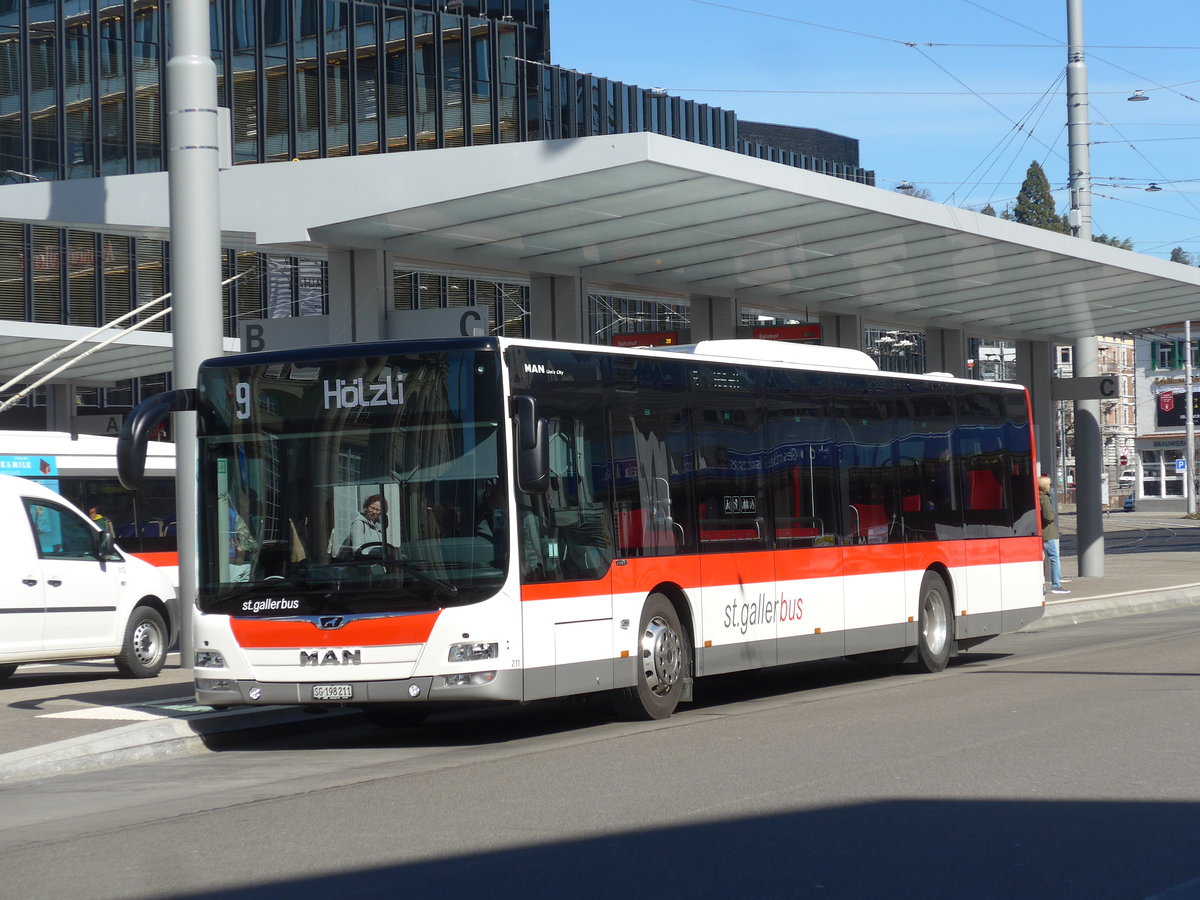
59, 533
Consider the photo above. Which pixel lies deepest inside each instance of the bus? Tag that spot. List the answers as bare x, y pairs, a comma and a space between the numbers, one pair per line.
405, 525
83, 469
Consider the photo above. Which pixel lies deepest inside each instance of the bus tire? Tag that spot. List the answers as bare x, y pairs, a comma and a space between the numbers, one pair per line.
144, 649
664, 654
935, 624
7, 670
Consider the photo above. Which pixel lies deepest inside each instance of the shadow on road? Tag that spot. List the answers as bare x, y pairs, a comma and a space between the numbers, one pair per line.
897, 849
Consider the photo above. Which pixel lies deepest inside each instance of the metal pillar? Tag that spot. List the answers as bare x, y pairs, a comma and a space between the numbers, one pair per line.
361, 295
557, 308
1189, 424
839, 330
714, 318
1088, 448
193, 188
946, 351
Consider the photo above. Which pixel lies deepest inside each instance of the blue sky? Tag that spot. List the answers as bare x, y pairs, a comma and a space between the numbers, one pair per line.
954, 96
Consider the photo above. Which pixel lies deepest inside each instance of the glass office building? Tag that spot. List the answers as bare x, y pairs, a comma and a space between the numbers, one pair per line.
81, 96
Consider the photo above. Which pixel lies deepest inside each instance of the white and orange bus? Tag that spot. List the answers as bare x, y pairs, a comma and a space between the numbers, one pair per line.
401, 525
83, 468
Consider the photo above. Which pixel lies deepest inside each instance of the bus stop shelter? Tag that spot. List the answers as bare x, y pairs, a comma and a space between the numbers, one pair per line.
651, 215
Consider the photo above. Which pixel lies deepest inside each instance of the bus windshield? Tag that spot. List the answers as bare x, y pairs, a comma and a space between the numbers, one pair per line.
351, 485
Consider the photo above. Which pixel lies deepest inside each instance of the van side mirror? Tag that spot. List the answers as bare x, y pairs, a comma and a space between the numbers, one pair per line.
533, 447
108, 545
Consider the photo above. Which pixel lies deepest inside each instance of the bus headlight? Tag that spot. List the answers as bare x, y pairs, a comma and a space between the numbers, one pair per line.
472, 651
209, 659
465, 679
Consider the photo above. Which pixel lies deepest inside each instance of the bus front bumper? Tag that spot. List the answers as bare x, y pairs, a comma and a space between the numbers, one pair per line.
221, 692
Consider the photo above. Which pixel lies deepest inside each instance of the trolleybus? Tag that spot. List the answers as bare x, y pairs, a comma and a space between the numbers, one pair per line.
397, 526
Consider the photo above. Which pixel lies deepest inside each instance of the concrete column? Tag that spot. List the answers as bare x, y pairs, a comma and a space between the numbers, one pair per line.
946, 351
1089, 464
1035, 370
360, 295
842, 331
557, 308
714, 318
60, 407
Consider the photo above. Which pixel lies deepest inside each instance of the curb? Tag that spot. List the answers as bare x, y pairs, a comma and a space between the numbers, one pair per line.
1110, 606
140, 742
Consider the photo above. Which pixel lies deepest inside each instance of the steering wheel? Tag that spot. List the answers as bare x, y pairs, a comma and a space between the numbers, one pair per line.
370, 550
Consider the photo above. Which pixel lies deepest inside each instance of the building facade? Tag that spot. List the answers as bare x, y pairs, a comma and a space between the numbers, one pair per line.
81, 97
1160, 464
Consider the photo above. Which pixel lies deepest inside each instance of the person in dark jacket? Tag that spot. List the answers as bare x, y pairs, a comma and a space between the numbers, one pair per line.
1050, 535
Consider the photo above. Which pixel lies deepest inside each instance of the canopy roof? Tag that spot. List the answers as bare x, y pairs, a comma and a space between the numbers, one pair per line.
649, 214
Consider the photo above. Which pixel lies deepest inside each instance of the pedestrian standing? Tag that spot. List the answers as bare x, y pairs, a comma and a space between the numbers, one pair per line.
1050, 535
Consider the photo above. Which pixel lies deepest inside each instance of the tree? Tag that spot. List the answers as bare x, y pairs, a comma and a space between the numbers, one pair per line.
1035, 204
1123, 243
1180, 255
988, 210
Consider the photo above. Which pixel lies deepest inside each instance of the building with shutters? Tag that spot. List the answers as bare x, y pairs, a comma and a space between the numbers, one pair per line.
81, 97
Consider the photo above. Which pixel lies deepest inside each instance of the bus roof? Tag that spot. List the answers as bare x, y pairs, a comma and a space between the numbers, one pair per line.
86, 454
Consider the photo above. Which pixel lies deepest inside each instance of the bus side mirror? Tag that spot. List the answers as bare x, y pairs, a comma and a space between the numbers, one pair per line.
146, 416
533, 447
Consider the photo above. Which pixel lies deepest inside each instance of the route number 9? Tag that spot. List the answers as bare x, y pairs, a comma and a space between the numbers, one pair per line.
242, 395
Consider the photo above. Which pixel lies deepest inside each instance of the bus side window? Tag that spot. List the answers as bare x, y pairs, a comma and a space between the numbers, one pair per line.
799, 460
565, 534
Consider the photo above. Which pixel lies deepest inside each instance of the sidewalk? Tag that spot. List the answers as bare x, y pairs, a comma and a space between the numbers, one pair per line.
61, 719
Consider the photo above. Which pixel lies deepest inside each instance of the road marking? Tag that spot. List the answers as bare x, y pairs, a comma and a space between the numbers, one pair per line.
172, 708
112, 713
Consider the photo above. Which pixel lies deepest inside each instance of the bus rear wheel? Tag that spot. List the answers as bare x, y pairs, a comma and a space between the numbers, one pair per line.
935, 624
663, 663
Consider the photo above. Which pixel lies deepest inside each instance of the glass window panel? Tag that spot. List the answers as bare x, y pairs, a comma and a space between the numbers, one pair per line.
864, 416
395, 77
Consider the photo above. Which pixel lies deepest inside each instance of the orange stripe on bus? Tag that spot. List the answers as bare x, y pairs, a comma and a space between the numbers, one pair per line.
693, 571
263, 633
159, 559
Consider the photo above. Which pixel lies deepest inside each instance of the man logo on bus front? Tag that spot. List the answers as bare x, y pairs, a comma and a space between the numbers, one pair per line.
331, 622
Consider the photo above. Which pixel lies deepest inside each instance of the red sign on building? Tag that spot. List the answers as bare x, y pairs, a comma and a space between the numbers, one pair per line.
1166, 401
806, 334
646, 339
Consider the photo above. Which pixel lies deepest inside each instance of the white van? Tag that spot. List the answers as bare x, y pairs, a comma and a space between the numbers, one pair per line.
67, 592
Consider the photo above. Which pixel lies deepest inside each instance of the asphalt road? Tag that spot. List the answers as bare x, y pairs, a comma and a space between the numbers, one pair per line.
1060, 763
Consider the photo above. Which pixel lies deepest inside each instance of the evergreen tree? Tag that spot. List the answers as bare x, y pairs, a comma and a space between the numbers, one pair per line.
1035, 204
1123, 243
988, 210
1180, 255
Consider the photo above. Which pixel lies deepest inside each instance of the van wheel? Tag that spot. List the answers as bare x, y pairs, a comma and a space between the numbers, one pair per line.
144, 649
664, 656
935, 624
7, 670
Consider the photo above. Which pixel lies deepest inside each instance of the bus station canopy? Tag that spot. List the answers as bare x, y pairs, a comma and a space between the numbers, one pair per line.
651, 215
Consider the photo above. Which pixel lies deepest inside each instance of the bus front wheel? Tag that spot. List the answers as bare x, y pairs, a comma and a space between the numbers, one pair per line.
935, 624
662, 664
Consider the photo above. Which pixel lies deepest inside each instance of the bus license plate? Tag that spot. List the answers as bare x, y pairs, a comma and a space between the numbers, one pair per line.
333, 692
